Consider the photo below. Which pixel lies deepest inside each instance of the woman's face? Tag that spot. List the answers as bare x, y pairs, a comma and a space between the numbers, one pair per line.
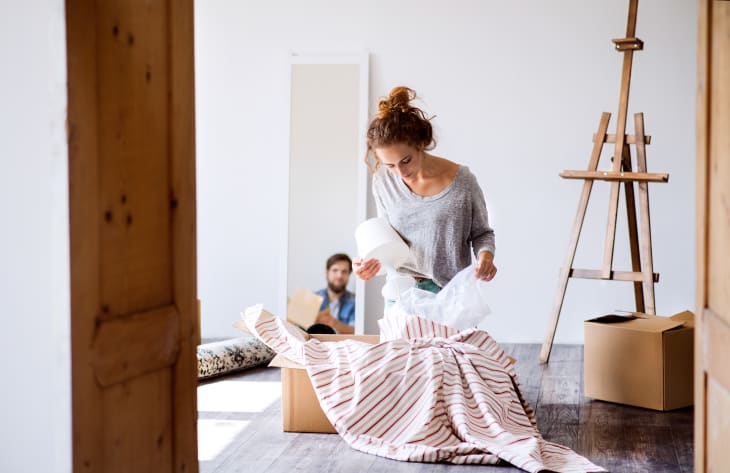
400, 159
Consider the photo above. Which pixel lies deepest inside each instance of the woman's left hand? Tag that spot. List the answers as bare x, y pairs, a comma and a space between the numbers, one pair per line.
485, 270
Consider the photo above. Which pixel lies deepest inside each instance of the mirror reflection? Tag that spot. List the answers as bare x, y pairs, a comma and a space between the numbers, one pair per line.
324, 174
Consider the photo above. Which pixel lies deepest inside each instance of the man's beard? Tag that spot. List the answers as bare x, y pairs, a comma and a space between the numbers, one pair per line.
335, 288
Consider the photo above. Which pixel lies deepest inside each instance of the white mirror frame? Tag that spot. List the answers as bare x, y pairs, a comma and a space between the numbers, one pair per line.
361, 60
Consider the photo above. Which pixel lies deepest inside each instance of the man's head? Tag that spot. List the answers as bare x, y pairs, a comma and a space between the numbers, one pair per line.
339, 267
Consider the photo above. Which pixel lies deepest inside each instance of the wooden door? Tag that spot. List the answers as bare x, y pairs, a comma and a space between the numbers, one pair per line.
132, 224
712, 340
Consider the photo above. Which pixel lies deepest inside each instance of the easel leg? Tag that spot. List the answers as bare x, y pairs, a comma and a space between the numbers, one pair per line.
610, 230
648, 265
633, 233
647, 268
547, 344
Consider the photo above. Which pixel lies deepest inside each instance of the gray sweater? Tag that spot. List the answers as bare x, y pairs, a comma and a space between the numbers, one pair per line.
440, 230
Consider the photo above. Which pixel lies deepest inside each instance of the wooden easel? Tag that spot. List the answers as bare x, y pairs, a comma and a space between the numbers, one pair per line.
642, 272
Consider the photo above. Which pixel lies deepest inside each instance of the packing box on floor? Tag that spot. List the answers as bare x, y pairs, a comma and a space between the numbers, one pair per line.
300, 409
641, 360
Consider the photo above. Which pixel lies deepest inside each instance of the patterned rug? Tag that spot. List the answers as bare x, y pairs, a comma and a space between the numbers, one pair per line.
227, 356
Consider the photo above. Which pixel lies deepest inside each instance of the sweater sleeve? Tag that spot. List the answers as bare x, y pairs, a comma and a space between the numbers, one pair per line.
482, 235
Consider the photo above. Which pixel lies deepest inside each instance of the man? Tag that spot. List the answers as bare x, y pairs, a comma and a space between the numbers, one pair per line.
338, 306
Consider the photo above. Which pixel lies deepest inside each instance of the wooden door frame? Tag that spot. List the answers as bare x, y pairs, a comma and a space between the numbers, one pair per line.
703, 32
712, 332
85, 216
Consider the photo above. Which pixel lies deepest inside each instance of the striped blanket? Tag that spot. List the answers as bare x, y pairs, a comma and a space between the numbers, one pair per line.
426, 393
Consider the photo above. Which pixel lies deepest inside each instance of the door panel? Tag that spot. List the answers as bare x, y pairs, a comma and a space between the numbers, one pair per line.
132, 222
717, 390
718, 276
718, 430
134, 179
127, 347
127, 432
712, 383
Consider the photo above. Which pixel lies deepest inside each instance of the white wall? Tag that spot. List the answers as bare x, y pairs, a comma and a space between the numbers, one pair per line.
35, 432
517, 89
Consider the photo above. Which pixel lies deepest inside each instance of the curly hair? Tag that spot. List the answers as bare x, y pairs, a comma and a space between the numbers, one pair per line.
398, 122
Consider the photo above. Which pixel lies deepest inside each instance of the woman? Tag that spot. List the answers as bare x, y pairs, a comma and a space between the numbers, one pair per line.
435, 205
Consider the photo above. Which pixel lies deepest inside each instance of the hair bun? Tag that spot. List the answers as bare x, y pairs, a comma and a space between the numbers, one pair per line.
399, 100
398, 122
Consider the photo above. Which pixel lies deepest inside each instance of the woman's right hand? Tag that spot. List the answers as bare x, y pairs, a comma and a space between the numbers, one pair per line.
366, 269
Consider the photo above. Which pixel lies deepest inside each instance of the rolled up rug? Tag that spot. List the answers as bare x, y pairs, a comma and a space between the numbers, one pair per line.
227, 356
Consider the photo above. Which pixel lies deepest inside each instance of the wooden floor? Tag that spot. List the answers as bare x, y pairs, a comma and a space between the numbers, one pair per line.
240, 426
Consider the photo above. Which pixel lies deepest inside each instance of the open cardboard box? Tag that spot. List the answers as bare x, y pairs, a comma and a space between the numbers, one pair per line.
641, 360
300, 409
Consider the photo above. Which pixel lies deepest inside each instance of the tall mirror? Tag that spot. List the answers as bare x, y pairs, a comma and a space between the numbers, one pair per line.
327, 178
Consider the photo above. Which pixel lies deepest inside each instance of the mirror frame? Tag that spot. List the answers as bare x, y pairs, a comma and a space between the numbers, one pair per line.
362, 61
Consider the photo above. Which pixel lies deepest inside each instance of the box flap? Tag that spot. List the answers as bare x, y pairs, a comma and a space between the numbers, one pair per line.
687, 317
655, 324
639, 322
241, 325
280, 361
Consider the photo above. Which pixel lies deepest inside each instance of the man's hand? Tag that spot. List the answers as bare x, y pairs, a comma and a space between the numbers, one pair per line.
485, 270
324, 317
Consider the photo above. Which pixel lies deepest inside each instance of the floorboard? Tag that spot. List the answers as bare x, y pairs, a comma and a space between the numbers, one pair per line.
240, 426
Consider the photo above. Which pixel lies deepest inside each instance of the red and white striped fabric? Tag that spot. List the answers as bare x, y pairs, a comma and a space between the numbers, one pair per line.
426, 393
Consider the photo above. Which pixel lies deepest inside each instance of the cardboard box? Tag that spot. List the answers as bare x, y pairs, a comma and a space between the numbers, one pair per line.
640, 359
300, 409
